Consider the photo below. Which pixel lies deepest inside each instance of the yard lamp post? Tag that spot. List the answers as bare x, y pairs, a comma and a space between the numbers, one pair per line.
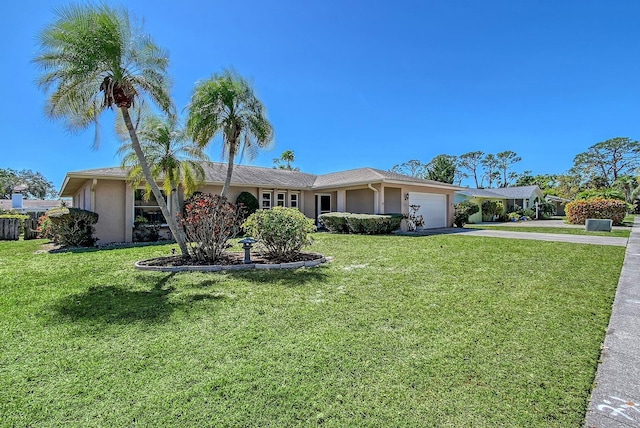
247, 243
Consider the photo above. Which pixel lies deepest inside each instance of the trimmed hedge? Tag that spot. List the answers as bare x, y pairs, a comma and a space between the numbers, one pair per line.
580, 210
367, 224
72, 227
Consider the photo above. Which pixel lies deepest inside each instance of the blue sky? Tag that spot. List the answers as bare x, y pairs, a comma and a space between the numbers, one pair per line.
360, 83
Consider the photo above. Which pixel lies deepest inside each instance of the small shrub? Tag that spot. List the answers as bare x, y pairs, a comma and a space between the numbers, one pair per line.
491, 209
546, 209
463, 211
145, 231
334, 222
209, 222
72, 226
248, 204
580, 210
45, 228
514, 216
281, 232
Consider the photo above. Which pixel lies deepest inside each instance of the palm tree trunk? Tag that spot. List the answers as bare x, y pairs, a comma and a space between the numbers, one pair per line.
171, 220
227, 181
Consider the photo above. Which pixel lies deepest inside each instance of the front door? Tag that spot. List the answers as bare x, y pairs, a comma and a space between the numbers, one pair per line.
323, 204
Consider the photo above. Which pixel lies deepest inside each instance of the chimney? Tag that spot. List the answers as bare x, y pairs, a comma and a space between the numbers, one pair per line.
16, 201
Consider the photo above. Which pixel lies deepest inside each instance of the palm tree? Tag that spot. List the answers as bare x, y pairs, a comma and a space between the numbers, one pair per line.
93, 58
225, 104
288, 157
172, 156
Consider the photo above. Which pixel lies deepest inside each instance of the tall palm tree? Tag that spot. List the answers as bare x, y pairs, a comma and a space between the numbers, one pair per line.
225, 104
174, 159
93, 58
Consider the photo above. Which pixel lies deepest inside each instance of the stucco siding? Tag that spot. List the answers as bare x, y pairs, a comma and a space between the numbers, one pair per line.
360, 201
392, 200
111, 207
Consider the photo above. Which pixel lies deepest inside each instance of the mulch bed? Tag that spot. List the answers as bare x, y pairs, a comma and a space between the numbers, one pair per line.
227, 259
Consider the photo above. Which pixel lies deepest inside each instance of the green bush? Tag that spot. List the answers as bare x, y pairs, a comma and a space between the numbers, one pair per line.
580, 210
368, 224
72, 226
247, 203
281, 232
601, 194
144, 230
490, 209
463, 211
334, 222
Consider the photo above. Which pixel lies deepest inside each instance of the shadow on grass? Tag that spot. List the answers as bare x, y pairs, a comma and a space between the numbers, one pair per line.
112, 304
286, 277
117, 246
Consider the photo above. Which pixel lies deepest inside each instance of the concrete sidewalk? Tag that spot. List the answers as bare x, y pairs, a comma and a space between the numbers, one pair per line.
552, 237
615, 400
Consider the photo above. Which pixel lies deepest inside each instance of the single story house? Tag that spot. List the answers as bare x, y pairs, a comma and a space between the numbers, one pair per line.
107, 192
511, 198
558, 202
34, 207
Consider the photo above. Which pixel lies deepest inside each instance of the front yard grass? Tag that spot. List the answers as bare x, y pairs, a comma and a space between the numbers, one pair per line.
615, 233
397, 331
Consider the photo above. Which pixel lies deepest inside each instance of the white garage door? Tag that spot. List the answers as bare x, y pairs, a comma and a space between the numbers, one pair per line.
433, 208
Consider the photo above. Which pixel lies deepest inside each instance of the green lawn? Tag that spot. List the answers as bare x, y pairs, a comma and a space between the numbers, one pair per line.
397, 331
542, 229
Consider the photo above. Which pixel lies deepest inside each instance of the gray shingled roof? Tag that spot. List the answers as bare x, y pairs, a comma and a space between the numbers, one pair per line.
261, 176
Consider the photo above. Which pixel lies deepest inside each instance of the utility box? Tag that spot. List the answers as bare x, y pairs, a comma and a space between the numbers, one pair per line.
598, 224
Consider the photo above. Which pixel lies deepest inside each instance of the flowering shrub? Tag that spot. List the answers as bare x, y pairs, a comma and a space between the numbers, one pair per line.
71, 226
281, 232
463, 211
45, 227
209, 222
580, 210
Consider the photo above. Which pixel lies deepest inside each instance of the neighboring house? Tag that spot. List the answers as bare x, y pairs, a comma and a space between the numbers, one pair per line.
512, 198
36, 207
364, 190
558, 202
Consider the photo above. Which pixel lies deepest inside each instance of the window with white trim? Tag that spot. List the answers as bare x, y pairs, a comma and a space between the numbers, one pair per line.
148, 209
281, 199
266, 200
293, 200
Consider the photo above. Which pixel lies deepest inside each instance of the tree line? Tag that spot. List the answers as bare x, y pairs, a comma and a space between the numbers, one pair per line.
611, 165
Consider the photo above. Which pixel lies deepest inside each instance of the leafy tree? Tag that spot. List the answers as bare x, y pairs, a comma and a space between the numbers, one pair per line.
568, 185
285, 160
471, 162
505, 160
412, 168
94, 58
608, 160
627, 184
34, 183
226, 104
543, 181
491, 164
174, 159
442, 168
